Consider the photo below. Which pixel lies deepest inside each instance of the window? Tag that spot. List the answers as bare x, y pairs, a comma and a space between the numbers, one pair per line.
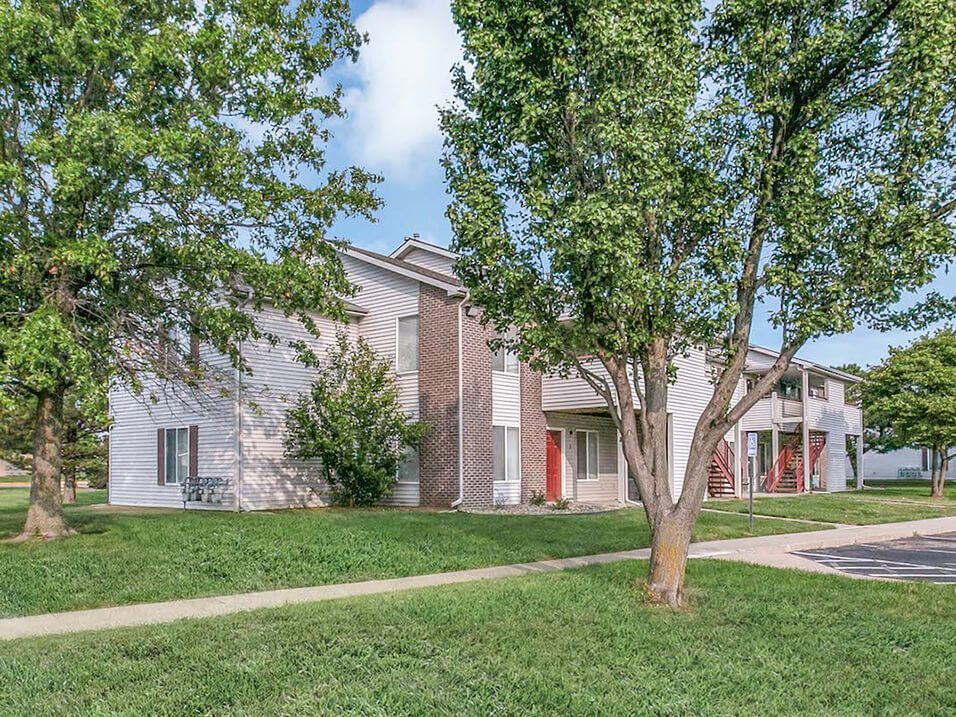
177, 455
505, 360
408, 471
505, 453
406, 350
789, 390
587, 455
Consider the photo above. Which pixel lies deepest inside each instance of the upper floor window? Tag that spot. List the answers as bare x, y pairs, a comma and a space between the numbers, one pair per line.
817, 389
406, 349
789, 389
505, 360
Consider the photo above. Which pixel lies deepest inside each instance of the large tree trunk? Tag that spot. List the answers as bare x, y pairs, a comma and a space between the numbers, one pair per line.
45, 515
939, 474
669, 546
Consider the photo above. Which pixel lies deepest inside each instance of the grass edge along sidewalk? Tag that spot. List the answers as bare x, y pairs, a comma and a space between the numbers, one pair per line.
746, 549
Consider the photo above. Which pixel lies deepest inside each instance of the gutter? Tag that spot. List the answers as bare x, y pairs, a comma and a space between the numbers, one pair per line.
238, 417
461, 410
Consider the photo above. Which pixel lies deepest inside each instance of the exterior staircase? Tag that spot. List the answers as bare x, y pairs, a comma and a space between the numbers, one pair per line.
720, 479
786, 474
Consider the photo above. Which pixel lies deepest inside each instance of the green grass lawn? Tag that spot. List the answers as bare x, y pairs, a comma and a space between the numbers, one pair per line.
756, 641
913, 488
865, 507
123, 557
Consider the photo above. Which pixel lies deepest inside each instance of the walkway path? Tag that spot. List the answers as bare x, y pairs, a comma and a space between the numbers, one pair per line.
763, 550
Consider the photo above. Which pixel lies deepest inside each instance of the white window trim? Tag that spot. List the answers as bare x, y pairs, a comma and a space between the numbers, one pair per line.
517, 479
398, 322
597, 452
175, 430
504, 371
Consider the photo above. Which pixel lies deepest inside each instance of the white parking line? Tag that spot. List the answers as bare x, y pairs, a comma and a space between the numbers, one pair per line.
827, 556
883, 568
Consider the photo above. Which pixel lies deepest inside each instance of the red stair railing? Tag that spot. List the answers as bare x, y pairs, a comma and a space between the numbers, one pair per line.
779, 467
724, 458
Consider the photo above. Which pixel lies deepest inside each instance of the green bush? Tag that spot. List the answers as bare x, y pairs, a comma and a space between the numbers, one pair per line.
351, 422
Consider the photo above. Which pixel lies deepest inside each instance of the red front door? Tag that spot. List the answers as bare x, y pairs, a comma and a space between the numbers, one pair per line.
553, 471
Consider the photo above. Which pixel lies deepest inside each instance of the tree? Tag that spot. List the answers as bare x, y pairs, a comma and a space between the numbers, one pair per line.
629, 180
351, 421
162, 174
84, 441
911, 399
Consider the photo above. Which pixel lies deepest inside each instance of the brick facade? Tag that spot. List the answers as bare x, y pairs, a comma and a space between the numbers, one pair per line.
476, 375
438, 395
438, 402
533, 428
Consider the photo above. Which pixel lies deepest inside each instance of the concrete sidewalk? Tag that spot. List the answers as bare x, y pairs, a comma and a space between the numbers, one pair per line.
769, 550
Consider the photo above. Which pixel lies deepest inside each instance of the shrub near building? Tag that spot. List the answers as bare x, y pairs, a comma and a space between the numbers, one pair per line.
352, 422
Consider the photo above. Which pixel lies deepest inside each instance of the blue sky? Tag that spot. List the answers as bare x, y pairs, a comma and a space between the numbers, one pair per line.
392, 94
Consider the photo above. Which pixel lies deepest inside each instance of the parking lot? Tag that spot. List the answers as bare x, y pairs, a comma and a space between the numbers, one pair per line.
930, 558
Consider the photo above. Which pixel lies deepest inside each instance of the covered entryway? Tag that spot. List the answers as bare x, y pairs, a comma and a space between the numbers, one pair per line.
553, 469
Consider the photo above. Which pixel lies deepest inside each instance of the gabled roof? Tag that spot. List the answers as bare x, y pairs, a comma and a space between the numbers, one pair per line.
413, 271
817, 367
415, 242
351, 308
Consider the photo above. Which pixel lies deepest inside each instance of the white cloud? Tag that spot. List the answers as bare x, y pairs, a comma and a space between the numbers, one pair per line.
403, 75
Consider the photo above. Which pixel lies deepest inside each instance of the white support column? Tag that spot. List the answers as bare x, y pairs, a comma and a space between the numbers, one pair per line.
860, 447
739, 452
774, 449
804, 394
859, 461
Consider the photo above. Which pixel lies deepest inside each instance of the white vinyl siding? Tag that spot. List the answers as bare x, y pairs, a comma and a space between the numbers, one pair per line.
270, 479
430, 260
687, 398
136, 419
606, 488
387, 296
505, 399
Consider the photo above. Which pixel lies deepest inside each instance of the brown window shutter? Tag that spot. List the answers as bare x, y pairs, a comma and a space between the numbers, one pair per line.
161, 456
194, 451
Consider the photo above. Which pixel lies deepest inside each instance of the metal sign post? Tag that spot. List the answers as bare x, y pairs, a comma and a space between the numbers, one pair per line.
751, 473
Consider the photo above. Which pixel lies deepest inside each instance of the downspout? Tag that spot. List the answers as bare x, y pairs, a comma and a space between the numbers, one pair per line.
461, 409
238, 417
238, 409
